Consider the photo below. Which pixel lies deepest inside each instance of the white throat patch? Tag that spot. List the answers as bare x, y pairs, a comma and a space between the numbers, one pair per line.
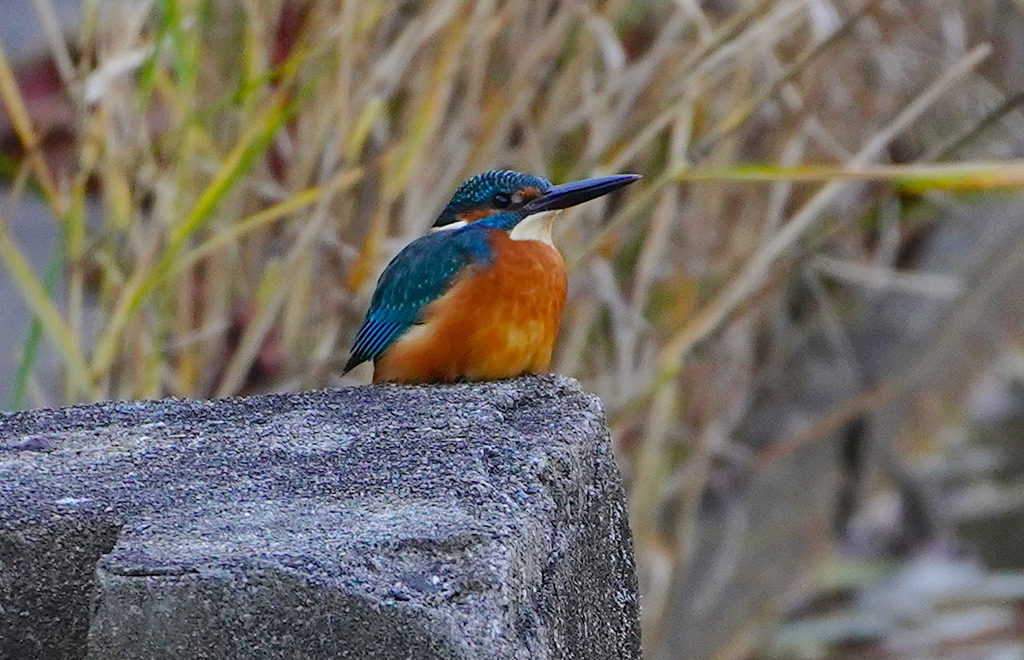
450, 225
536, 227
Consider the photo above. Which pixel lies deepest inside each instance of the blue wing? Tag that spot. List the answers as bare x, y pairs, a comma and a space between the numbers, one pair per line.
420, 274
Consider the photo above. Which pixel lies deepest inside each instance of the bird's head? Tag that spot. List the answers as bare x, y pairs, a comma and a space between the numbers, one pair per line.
503, 198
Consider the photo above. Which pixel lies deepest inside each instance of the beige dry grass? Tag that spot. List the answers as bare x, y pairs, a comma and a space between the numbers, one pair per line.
258, 162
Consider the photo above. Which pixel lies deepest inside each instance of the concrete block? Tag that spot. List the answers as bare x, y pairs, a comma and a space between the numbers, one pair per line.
483, 521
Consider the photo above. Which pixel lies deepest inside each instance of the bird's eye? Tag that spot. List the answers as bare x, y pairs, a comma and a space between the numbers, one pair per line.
501, 200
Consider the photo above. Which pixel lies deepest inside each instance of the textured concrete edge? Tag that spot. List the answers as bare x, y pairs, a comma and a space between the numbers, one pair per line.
95, 534
586, 556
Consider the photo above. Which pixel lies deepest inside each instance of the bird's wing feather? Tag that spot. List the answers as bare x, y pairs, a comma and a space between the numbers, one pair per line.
420, 274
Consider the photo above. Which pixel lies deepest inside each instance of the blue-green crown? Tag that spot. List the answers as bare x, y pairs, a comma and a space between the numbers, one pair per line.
484, 191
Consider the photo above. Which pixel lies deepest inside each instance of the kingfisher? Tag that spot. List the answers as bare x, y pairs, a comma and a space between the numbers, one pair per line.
480, 296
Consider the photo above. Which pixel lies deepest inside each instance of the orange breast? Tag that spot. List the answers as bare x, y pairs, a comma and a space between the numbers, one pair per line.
494, 323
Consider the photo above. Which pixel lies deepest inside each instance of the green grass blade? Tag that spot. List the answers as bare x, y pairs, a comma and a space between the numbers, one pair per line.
250, 145
952, 177
42, 305
30, 348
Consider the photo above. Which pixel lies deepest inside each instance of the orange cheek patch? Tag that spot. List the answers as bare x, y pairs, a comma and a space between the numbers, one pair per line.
526, 194
474, 215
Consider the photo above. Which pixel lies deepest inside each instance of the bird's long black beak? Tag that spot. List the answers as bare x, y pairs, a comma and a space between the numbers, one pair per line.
570, 194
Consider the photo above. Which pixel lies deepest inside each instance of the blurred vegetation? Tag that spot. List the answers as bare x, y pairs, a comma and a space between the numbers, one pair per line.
256, 163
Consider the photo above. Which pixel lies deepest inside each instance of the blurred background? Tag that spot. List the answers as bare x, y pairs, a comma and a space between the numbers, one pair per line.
805, 322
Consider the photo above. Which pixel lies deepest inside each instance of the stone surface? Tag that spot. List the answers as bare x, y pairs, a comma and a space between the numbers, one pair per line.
375, 522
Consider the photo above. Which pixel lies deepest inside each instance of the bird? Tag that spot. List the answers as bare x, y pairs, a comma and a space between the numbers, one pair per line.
480, 296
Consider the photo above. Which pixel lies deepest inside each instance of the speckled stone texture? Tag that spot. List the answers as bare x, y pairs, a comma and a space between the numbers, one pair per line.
481, 521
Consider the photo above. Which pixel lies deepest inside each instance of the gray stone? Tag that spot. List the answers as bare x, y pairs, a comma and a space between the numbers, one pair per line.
466, 521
